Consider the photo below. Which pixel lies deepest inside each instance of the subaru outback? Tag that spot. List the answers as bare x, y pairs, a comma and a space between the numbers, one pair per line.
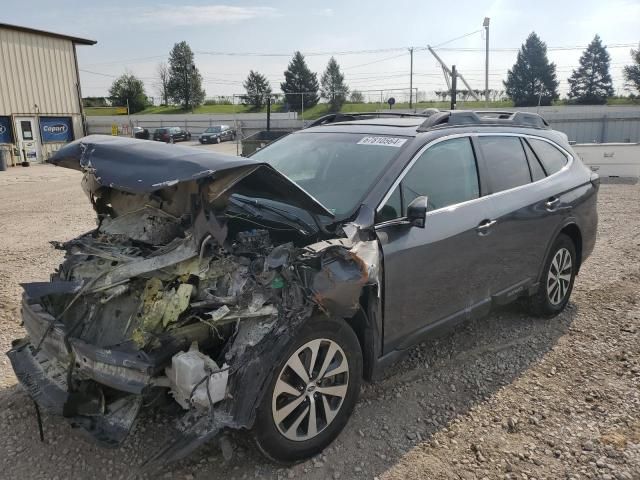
257, 293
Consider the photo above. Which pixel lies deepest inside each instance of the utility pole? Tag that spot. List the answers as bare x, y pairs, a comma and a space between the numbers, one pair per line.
411, 80
454, 77
268, 113
485, 24
453, 74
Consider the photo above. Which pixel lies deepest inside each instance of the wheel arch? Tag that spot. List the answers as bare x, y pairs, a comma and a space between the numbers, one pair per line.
367, 327
571, 229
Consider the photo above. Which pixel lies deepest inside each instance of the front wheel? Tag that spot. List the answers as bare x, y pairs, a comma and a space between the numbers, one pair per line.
313, 392
557, 279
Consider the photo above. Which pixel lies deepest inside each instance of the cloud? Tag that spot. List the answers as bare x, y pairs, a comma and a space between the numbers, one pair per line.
192, 15
323, 12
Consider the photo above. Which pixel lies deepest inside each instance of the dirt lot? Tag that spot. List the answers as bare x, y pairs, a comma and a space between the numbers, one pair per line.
508, 396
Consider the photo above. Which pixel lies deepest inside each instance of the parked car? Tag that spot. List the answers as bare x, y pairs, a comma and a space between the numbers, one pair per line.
257, 293
168, 134
217, 134
141, 132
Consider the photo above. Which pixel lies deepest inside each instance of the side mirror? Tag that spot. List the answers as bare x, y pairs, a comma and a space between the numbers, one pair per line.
417, 211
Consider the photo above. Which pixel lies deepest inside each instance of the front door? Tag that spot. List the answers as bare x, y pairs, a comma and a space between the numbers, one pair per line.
27, 139
434, 275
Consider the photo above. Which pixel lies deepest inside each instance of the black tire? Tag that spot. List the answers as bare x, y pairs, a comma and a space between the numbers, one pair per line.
269, 439
542, 304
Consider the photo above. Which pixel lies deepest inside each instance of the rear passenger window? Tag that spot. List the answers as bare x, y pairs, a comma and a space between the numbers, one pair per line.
552, 159
446, 173
537, 173
506, 164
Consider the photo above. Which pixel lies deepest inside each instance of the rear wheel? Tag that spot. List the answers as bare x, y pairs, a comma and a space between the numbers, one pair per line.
313, 392
557, 279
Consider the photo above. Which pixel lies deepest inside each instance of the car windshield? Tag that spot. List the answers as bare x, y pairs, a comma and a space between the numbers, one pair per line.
213, 130
161, 130
336, 168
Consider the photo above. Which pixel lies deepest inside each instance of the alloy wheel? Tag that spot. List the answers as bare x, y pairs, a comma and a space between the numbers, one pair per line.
310, 389
559, 276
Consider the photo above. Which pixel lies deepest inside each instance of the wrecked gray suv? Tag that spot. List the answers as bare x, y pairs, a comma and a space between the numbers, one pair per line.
256, 293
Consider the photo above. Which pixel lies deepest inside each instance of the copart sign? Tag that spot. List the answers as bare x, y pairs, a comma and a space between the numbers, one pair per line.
5, 130
56, 129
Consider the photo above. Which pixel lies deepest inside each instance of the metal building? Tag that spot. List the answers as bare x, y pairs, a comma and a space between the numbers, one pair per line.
40, 97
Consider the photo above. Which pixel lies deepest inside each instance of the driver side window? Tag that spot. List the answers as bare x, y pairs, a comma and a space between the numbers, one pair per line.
446, 173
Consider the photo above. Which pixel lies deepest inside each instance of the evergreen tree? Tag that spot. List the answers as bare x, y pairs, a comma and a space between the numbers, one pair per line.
185, 82
257, 88
632, 72
127, 89
298, 78
591, 83
532, 77
333, 87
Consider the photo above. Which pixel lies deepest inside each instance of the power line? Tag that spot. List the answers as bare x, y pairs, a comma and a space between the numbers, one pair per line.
515, 49
97, 73
375, 61
306, 54
454, 39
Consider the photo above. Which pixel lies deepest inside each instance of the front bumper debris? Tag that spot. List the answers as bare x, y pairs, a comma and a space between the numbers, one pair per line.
107, 423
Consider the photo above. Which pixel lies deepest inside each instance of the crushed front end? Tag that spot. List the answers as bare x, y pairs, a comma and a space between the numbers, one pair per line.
182, 292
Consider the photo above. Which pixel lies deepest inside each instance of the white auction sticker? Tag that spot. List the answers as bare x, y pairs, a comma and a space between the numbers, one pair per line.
384, 141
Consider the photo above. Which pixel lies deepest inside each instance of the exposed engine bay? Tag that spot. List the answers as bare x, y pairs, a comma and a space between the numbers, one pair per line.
191, 281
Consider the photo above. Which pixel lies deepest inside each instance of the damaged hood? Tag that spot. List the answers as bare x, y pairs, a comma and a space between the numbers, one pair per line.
140, 166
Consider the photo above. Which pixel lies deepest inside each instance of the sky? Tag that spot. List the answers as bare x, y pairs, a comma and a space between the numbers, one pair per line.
369, 39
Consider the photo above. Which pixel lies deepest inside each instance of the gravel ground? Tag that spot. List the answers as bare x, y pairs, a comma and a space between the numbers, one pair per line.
508, 396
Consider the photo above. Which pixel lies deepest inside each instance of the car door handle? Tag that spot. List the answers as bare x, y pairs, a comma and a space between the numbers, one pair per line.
484, 226
552, 203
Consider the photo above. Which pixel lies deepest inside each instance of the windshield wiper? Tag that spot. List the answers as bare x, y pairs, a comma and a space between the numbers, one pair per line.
253, 203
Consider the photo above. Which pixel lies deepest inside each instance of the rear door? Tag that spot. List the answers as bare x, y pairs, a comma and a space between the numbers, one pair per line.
433, 275
526, 210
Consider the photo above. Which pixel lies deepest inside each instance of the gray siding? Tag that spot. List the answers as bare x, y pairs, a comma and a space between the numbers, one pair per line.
38, 70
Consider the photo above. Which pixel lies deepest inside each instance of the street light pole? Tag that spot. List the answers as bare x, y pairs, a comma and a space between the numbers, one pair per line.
485, 24
411, 80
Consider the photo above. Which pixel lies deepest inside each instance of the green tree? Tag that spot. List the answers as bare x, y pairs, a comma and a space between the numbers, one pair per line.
532, 77
591, 83
299, 79
163, 83
632, 72
127, 89
356, 97
333, 87
258, 89
185, 82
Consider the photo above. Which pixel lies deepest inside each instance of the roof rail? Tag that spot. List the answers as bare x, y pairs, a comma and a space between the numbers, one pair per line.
346, 117
483, 117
